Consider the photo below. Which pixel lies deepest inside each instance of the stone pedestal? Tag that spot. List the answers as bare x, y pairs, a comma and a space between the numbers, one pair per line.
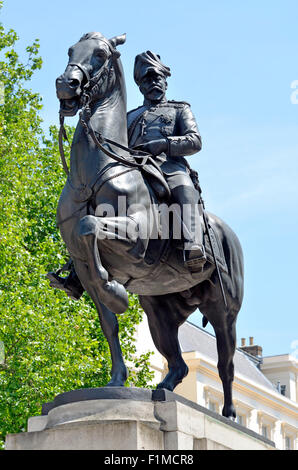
115, 418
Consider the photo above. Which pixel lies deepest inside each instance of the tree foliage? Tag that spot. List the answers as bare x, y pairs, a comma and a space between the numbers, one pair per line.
50, 344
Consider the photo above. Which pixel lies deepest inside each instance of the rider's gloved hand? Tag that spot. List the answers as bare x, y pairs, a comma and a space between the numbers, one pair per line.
155, 147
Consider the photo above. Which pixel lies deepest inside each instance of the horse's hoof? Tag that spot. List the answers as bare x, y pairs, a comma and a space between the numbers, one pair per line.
166, 386
229, 412
115, 383
173, 378
116, 298
118, 378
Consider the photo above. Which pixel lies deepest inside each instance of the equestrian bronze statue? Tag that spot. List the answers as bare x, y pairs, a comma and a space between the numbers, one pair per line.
131, 212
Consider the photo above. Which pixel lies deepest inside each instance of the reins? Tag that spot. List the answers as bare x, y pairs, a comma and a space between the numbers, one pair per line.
62, 134
99, 140
90, 88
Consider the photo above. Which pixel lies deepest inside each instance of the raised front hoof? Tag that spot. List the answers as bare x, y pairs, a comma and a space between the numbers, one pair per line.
229, 412
115, 297
173, 378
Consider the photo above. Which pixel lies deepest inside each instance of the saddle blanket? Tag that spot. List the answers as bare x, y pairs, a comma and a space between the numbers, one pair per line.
217, 248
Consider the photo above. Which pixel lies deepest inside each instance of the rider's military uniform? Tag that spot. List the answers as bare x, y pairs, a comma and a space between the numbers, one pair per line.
175, 122
172, 120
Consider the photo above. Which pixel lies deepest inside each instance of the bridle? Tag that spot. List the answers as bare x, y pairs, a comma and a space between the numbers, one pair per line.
90, 90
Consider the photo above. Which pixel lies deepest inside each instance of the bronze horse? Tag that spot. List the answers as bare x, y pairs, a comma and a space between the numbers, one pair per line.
110, 254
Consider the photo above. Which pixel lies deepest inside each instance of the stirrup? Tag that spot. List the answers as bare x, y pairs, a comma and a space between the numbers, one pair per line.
195, 259
58, 282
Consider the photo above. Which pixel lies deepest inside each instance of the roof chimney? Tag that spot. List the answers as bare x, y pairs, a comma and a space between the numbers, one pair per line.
252, 348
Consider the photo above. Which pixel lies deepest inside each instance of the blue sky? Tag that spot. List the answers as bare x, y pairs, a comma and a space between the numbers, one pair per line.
234, 62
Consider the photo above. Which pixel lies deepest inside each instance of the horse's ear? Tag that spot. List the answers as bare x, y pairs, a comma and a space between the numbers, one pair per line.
116, 40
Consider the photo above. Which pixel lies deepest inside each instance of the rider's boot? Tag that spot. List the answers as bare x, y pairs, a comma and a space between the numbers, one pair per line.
70, 284
194, 250
192, 230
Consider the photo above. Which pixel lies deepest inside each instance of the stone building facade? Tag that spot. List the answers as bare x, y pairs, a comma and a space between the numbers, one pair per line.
265, 389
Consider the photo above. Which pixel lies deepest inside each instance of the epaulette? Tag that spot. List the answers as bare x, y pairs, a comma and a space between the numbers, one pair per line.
179, 104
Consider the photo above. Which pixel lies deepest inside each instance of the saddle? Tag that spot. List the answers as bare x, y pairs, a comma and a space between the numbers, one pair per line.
153, 175
158, 249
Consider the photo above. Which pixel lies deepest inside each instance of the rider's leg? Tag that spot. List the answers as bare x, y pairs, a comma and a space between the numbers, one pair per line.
184, 193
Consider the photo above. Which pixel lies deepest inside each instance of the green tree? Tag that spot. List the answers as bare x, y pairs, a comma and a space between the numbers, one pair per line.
48, 343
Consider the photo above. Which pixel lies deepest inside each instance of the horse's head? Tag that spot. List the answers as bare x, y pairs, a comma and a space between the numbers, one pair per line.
90, 71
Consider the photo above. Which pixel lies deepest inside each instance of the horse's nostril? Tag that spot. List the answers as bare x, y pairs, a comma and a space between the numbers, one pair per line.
74, 83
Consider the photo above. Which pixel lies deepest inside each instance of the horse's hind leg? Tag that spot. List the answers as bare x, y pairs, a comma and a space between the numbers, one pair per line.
109, 325
165, 314
226, 345
223, 321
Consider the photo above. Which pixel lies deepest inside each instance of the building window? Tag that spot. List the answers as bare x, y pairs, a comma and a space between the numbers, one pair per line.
289, 433
243, 413
267, 425
213, 406
213, 399
240, 419
265, 431
288, 443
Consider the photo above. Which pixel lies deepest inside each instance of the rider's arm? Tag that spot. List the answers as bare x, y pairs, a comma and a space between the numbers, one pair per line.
188, 141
